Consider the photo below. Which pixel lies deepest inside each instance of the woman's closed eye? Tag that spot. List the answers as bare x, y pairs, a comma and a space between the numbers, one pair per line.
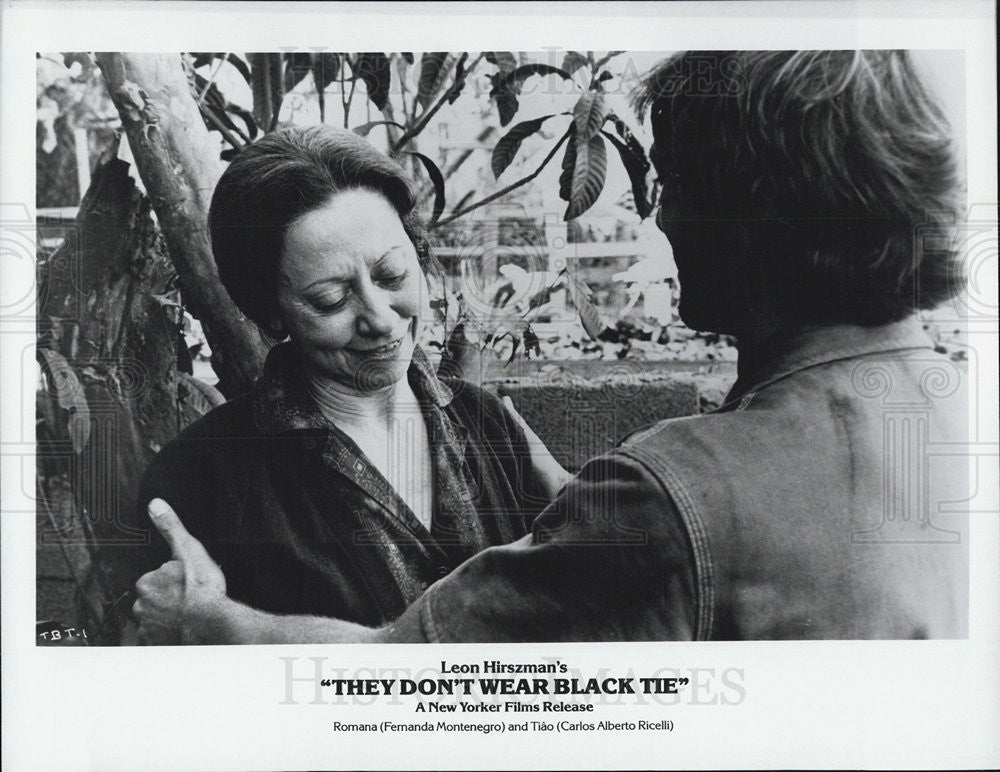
331, 300
392, 280
391, 270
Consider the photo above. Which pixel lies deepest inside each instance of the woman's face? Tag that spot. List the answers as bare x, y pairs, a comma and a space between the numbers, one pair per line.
351, 291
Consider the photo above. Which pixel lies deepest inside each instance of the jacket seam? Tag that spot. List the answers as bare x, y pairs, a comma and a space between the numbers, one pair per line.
427, 617
704, 574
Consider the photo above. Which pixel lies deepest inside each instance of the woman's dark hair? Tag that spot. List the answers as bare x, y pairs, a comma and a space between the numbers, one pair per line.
278, 179
832, 166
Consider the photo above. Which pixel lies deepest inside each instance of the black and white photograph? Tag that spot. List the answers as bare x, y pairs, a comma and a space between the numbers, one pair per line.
662, 373
762, 259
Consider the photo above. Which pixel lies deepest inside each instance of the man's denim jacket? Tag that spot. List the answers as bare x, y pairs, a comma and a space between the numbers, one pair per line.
825, 499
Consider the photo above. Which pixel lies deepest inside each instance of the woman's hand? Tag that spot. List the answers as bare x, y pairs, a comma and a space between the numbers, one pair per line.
549, 472
184, 600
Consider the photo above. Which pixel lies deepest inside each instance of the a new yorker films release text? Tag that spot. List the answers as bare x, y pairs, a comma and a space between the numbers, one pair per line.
495, 696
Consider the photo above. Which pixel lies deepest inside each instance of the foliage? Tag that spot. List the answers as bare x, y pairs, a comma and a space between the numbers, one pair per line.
525, 319
407, 90
442, 78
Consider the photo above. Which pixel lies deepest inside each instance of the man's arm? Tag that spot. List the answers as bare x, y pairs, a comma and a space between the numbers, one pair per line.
232, 622
609, 559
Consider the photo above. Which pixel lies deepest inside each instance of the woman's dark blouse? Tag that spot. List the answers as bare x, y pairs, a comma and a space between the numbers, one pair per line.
302, 523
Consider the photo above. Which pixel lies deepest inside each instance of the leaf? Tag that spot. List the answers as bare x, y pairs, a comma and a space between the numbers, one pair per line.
525, 71
505, 324
365, 128
45, 413
245, 116
509, 144
325, 69
589, 173
504, 60
199, 394
434, 68
513, 349
591, 320
438, 181
637, 168
458, 352
606, 58
277, 88
210, 100
201, 59
267, 82
588, 114
604, 76
531, 342
507, 106
629, 139
568, 162
260, 71
637, 149
578, 289
72, 57
297, 66
623, 131
461, 76
70, 396
573, 61
374, 71
580, 295
507, 85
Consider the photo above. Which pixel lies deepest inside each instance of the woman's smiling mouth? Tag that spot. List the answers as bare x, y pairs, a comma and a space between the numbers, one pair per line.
380, 352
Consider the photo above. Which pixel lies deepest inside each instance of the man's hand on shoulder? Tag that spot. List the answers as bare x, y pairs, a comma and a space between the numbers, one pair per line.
184, 601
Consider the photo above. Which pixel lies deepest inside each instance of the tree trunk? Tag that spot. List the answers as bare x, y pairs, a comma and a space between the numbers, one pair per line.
108, 330
179, 165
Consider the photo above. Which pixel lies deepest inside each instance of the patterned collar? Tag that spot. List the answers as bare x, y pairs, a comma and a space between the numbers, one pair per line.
282, 404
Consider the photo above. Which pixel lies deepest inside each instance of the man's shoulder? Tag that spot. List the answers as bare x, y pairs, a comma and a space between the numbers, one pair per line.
719, 450
670, 430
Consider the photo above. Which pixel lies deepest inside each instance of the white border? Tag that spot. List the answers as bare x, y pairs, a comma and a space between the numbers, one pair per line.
854, 704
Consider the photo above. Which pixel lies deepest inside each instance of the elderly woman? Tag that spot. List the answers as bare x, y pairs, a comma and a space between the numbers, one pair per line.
351, 477
808, 198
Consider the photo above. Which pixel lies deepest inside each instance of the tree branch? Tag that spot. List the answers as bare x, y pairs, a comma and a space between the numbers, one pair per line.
404, 92
211, 80
343, 86
513, 186
179, 165
347, 104
425, 117
226, 133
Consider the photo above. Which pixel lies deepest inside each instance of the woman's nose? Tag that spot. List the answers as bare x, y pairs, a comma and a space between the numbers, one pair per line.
377, 317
